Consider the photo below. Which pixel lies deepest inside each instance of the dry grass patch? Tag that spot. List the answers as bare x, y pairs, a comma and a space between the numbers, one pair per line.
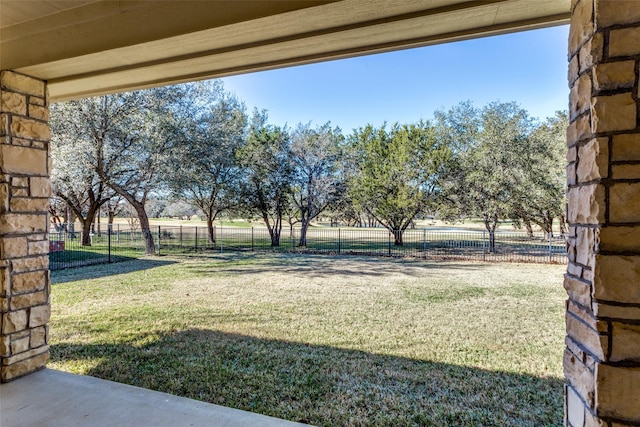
324, 340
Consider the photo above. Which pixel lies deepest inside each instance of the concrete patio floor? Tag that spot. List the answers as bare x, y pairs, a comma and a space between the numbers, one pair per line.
55, 398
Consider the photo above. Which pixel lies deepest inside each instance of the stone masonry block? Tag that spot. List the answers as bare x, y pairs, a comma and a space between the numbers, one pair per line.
24, 204
39, 247
11, 102
23, 160
5, 281
591, 53
24, 367
613, 113
22, 84
28, 282
625, 346
20, 345
30, 129
593, 160
19, 192
616, 278
586, 246
574, 69
614, 75
571, 174
38, 112
40, 187
589, 338
618, 392
579, 130
38, 337
22, 265
34, 100
626, 147
4, 197
616, 12
23, 223
620, 239
572, 155
39, 316
586, 204
14, 321
579, 376
25, 355
19, 181
574, 408
617, 311
625, 171
5, 342
4, 125
624, 42
19, 302
13, 247
581, 25
580, 95
624, 202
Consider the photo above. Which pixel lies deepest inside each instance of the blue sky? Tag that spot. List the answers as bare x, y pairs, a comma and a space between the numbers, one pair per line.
406, 86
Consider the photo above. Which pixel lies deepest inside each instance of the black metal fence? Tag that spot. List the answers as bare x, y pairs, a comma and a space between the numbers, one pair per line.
119, 244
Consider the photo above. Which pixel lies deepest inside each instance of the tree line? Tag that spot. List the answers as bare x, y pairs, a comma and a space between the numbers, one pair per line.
197, 144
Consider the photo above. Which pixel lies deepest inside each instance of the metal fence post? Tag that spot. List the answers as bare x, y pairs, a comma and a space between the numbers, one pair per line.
484, 245
220, 239
159, 238
109, 244
180, 236
339, 240
251, 239
424, 242
196, 240
550, 248
389, 243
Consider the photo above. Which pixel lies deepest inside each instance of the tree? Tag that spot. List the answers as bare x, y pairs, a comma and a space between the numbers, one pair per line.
543, 188
204, 169
127, 134
73, 179
397, 172
265, 163
491, 150
314, 159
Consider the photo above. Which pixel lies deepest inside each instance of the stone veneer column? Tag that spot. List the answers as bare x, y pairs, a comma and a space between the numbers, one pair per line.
602, 356
24, 200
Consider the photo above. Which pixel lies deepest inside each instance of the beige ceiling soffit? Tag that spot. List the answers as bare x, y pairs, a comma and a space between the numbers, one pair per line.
107, 25
286, 27
86, 86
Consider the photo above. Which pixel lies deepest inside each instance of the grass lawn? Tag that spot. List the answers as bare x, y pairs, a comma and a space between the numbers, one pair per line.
335, 341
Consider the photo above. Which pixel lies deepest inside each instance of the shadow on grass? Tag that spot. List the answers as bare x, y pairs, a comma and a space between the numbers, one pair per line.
323, 265
318, 384
120, 266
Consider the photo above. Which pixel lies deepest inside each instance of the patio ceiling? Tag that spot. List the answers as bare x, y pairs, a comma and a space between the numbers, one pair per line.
84, 48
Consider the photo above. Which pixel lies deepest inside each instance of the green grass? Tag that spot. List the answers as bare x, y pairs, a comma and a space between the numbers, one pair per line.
326, 340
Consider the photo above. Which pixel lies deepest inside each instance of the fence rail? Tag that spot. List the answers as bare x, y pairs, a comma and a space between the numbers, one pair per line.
119, 244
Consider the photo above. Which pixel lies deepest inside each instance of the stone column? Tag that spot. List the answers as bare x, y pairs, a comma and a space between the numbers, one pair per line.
602, 356
24, 200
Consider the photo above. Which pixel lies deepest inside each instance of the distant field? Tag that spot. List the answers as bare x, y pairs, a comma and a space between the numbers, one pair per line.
331, 341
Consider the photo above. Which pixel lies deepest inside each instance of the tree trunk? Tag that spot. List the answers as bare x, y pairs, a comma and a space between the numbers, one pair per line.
210, 231
304, 226
492, 240
86, 231
527, 225
150, 246
275, 236
397, 237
